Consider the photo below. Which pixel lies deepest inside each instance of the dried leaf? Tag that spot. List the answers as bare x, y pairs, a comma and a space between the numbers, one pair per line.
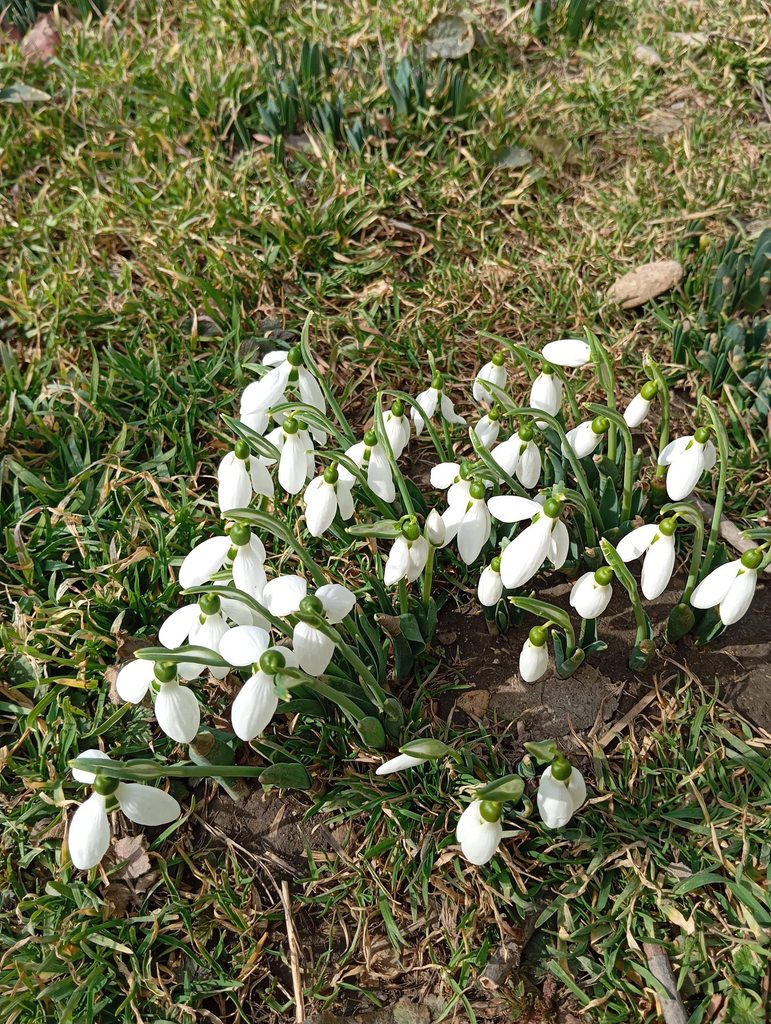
132, 851
116, 897
645, 282
474, 703
448, 36
42, 40
512, 157
691, 40
21, 93
661, 123
554, 147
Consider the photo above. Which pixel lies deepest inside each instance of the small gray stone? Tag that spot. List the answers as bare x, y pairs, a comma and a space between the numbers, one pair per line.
647, 55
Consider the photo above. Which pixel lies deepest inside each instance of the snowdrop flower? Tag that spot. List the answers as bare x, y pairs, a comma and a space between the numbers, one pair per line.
257, 700
479, 831
591, 593
296, 462
399, 763
567, 352
637, 410
271, 389
561, 792
176, 707
408, 555
534, 657
520, 455
730, 587
584, 438
546, 537
657, 542
88, 837
435, 532
487, 428
314, 649
687, 457
455, 478
204, 625
495, 373
431, 400
473, 528
243, 548
324, 496
546, 393
369, 454
239, 476
397, 428
490, 586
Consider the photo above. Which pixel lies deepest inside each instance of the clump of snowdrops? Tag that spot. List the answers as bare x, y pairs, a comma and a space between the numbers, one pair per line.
318, 586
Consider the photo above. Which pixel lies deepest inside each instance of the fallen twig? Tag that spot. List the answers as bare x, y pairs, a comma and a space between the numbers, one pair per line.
294, 955
672, 1009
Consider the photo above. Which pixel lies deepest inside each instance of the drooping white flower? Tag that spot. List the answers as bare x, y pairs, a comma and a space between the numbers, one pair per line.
567, 352
397, 428
282, 596
520, 455
487, 429
592, 592
244, 645
546, 537
314, 649
371, 456
473, 529
730, 587
399, 763
239, 476
432, 399
270, 390
407, 558
203, 625
534, 656
584, 438
687, 457
324, 496
243, 548
452, 477
657, 542
176, 707
435, 532
479, 839
490, 586
559, 800
257, 700
495, 373
546, 393
296, 464
638, 408
88, 836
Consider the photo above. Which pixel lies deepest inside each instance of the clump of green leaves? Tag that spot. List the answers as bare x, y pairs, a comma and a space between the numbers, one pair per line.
415, 90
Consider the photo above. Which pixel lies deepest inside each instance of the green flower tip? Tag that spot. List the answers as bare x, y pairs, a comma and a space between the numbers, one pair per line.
370, 439
752, 559
104, 786
331, 476
600, 424
490, 810
397, 409
294, 356
667, 527
240, 534
526, 432
209, 604
437, 382
552, 508
477, 490
561, 769
538, 636
311, 605
499, 358
291, 426
241, 450
495, 565
410, 529
648, 391
165, 671
272, 662
603, 576
701, 435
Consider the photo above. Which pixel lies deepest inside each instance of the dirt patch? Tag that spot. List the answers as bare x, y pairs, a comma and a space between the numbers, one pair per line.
738, 663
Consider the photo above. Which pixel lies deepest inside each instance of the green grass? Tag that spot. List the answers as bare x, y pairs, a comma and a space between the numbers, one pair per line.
130, 208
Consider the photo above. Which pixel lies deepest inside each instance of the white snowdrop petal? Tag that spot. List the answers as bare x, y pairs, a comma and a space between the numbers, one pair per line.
417, 558
673, 449
203, 562
435, 529
508, 508
275, 358
338, 601
292, 465
443, 475
260, 479
146, 805
489, 588
636, 543
79, 775
313, 648
710, 456
257, 548
636, 411
684, 471
589, 598
235, 486
134, 680
320, 507
529, 466
88, 836
525, 555
533, 661
177, 712
559, 544
310, 391
268, 390
449, 413
397, 562
282, 596
344, 500
244, 645
479, 839
658, 566
398, 764
567, 352
546, 394
714, 587
177, 627
739, 597
249, 572
507, 453
555, 804
254, 706
474, 531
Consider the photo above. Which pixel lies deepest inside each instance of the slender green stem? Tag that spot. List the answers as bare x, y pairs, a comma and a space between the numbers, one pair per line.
696, 519
722, 447
428, 574
150, 771
607, 375
404, 598
617, 419
662, 393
